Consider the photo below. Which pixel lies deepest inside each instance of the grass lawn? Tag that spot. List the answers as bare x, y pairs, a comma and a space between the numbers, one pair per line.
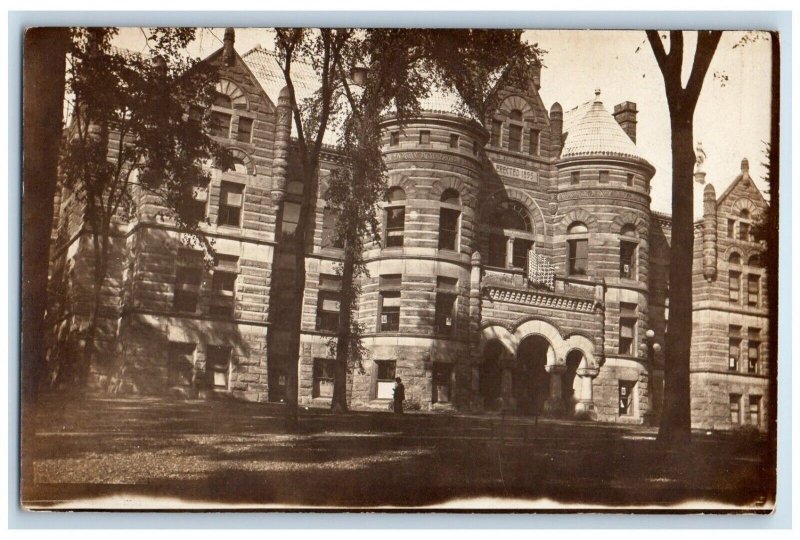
228, 452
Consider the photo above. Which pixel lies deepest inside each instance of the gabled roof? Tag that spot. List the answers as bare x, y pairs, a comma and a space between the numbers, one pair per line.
592, 131
744, 176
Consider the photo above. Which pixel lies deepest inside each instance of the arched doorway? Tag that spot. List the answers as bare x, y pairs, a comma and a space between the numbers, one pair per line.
531, 381
568, 391
491, 374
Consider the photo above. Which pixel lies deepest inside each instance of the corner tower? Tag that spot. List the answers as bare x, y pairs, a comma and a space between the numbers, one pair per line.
603, 223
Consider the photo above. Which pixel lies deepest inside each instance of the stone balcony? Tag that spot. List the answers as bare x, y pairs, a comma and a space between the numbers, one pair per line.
569, 293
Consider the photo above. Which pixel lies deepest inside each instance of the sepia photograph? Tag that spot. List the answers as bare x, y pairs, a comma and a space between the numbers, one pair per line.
402, 269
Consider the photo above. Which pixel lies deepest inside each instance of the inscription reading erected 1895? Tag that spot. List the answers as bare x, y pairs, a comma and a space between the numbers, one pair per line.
516, 172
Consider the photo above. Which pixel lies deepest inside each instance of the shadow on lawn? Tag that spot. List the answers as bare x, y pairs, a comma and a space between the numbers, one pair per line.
234, 452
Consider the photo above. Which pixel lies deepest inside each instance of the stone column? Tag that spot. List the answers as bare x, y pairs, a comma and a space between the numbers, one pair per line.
554, 405
585, 404
475, 327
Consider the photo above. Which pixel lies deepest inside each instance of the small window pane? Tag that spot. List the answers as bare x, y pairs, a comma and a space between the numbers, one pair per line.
245, 132
515, 138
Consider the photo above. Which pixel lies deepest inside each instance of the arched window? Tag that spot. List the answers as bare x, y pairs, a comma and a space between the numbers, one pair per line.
230, 113
628, 244
577, 249
515, 131
511, 235
754, 261
734, 277
395, 217
449, 220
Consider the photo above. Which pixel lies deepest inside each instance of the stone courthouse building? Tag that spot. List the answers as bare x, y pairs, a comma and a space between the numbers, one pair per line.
521, 267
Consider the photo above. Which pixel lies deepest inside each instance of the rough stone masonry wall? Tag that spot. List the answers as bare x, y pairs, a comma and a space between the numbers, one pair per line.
713, 382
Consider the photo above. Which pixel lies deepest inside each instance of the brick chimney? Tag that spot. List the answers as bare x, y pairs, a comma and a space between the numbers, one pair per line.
227, 46
625, 115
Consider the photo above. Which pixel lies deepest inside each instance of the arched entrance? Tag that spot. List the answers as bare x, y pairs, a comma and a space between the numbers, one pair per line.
569, 392
531, 381
491, 378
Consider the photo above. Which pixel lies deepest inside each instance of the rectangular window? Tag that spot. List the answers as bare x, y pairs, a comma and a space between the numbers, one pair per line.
394, 138
735, 408
519, 257
533, 142
630, 180
395, 226
626, 390
753, 289
389, 317
734, 347
755, 410
384, 379
445, 313
515, 138
220, 124
604, 177
731, 227
627, 328
328, 311
199, 205
424, 137
497, 251
475, 148
223, 286
578, 258
181, 364
323, 374
330, 286
627, 259
575, 177
245, 131
389, 303
496, 136
744, 231
290, 217
218, 362
330, 220
230, 204
188, 278
442, 382
753, 349
453, 140
734, 286
448, 228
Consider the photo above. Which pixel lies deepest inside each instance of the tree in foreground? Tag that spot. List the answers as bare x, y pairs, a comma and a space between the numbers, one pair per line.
675, 426
132, 133
402, 67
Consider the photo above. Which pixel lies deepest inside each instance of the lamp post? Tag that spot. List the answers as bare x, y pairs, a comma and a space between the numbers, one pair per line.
650, 347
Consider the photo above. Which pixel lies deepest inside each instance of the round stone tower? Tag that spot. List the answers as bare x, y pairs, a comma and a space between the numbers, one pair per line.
603, 222
415, 304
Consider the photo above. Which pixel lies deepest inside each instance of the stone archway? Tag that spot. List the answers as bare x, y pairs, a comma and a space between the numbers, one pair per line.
531, 383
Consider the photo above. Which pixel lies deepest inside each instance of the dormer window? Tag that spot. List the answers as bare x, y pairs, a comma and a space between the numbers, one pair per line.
230, 113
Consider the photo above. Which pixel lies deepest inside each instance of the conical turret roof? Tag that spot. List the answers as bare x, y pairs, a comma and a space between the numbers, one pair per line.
592, 131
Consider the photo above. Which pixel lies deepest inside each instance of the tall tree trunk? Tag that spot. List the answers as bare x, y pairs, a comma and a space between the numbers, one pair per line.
44, 67
307, 210
675, 427
344, 336
43, 102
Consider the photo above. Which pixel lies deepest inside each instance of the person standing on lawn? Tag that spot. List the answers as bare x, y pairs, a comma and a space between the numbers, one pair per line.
399, 395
